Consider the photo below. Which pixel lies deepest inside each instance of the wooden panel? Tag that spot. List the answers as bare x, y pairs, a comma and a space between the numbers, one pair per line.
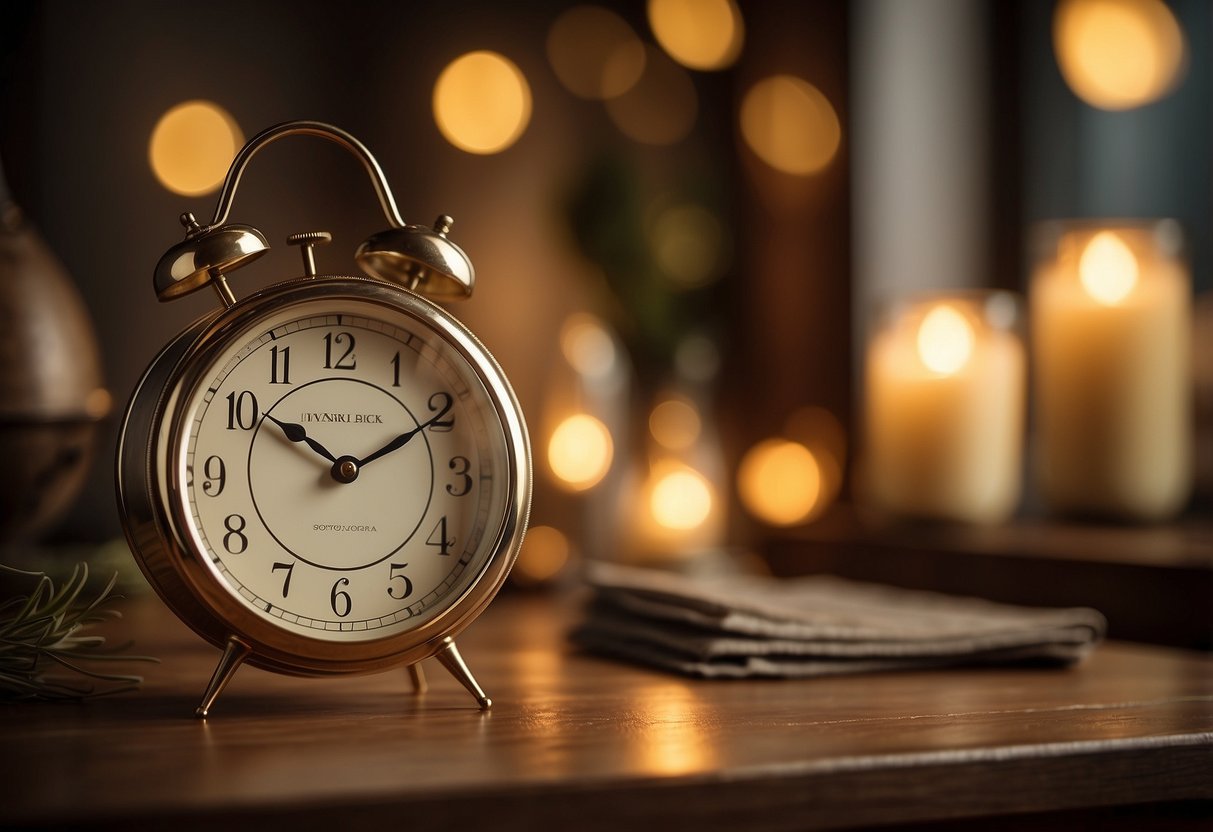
573, 739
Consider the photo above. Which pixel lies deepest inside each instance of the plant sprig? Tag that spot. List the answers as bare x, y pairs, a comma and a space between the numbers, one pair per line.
42, 645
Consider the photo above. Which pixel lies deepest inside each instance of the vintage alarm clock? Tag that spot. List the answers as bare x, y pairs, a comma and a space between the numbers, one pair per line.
331, 475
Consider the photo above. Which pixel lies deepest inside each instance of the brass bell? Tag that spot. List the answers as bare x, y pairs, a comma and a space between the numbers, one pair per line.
204, 256
420, 259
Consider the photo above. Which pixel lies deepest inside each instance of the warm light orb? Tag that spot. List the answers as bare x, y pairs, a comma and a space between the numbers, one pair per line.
192, 146
688, 243
700, 34
545, 552
675, 424
681, 500
594, 52
779, 482
945, 340
790, 125
661, 108
580, 451
482, 102
587, 346
1118, 54
1107, 268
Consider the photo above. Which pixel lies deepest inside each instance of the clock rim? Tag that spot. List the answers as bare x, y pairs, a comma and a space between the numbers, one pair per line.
158, 532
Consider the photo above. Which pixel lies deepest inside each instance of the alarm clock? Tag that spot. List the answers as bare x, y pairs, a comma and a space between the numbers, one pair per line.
331, 475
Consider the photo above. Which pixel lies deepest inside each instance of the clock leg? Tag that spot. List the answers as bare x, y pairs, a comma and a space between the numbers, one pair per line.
234, 655
453, 662
417, 674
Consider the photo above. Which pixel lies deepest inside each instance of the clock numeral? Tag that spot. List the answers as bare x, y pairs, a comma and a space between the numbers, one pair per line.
460, 465
347, 361
408, 584
216, 476
438, 424
439, 539
342, 598
241, 410
286, 584
285, 354
395, 362
234, 524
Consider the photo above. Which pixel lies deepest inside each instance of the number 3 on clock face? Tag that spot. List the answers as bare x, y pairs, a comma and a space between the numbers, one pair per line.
342, 468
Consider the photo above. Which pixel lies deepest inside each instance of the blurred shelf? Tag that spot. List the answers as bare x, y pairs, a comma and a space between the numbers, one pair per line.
1154, 583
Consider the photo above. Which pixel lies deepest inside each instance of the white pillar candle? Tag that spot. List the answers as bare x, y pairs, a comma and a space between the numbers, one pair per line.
1111, 318
945, 408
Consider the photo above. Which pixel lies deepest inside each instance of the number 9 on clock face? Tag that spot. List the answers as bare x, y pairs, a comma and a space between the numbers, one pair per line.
343, 470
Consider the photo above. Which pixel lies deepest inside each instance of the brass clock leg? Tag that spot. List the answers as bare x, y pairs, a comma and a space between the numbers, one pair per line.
234, 655
453, 662
417, 674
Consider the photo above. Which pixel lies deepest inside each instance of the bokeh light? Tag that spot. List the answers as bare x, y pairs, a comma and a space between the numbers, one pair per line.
580, 452
482, 102
588, 346
822, 433
1107, 268
945, 340
1118, 54
675, 423
594, 52
700, 34
660, 109
192, 146
790, 125
779, 482
681, 499
688, 244
544, 554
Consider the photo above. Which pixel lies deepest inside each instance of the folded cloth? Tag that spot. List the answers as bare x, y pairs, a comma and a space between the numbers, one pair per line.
747, 626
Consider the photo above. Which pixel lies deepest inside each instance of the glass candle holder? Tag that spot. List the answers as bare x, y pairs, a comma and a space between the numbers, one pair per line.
1110, 336
944, 408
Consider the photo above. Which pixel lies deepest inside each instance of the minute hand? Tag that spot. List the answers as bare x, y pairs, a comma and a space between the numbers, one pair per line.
397, 443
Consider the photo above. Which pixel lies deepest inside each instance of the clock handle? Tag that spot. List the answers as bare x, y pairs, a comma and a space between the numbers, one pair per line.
234, 654
448, 654
306, 128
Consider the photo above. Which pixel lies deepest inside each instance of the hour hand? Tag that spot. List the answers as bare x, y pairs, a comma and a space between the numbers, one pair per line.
296, 433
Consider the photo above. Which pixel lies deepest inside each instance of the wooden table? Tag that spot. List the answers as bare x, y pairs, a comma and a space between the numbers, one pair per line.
578, 742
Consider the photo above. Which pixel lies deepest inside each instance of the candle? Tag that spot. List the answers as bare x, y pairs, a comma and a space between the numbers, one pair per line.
944, 409
1111, 317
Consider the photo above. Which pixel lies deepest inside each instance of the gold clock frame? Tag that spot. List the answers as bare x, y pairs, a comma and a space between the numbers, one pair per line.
403, 261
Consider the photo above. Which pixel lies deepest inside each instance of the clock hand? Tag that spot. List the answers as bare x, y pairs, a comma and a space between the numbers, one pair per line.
399, 442
296, 433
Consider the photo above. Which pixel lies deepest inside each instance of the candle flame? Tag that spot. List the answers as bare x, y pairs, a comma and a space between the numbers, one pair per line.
580, 451
945, 340
1107, 268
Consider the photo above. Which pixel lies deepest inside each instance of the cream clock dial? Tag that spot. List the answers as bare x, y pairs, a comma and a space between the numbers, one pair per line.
340, 471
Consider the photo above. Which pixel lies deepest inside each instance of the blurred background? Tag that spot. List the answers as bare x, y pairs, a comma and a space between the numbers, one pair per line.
693, 221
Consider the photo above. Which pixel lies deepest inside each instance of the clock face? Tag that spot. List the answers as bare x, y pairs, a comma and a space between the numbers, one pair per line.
345, 472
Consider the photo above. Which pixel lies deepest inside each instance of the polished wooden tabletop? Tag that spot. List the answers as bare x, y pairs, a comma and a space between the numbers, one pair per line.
576, 741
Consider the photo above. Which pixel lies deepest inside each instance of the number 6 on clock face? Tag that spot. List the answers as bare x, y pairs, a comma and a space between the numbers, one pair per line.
344, 465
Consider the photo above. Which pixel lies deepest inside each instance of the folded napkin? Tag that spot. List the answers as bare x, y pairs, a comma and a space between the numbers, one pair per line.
741, 626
